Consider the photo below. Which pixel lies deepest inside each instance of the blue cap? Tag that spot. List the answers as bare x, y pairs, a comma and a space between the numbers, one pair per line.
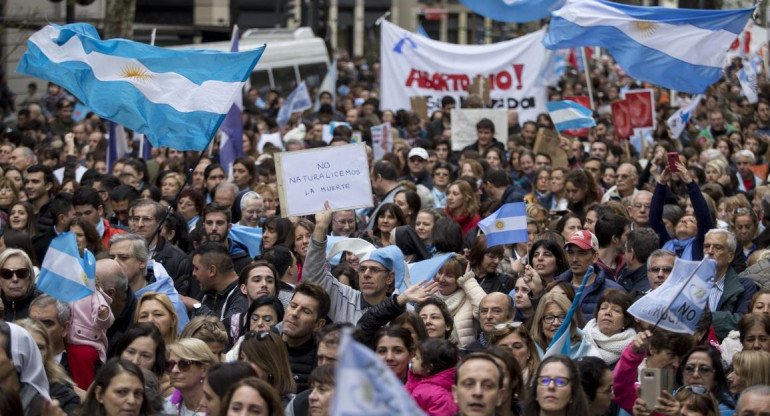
392, 259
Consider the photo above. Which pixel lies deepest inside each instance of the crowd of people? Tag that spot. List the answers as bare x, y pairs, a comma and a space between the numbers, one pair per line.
186, 320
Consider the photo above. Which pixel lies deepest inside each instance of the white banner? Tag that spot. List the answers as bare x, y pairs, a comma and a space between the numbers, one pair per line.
414, 65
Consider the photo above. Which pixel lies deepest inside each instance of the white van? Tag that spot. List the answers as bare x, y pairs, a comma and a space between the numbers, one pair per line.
291, 56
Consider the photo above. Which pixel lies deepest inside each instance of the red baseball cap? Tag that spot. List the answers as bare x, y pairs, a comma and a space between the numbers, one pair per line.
584, 239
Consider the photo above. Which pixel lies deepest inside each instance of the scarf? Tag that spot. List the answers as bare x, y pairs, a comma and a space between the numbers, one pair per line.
608, 347
682, 248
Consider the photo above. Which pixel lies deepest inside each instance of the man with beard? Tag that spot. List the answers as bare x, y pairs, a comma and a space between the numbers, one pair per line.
216, 224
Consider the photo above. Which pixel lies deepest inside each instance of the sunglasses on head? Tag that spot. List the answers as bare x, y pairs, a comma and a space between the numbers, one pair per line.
7, 274
184, 365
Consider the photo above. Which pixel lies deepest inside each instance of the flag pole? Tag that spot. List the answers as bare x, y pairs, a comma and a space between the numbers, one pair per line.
588, 78
679, 292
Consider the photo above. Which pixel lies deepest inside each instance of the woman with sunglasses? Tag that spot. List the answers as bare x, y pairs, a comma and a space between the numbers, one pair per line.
188, 362
267, 354
515, 337
556, 389
702, 366
17, 283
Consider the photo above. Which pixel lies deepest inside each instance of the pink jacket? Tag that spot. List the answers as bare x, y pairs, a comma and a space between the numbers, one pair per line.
434, 393
624, 379
87, 328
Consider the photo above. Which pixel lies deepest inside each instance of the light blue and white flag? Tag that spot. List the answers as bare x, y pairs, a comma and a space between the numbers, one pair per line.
679, 49
552, 69
747, 76
561, 342
298, 100
426, 269
329, 84
231, 142
569, 115
117, 144
249, 237
513, 11
178, 98
64, 274
365, 386
507, 225
678, 303
678, 121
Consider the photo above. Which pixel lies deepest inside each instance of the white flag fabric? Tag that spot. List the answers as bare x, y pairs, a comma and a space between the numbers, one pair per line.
679, 119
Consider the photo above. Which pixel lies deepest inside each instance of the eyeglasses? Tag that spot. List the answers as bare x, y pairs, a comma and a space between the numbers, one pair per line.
702, 369
7, 274
505, 325
363, 269
624, 176
659, 269
640, 206
549, 319
141, 219
184, 365
559, 382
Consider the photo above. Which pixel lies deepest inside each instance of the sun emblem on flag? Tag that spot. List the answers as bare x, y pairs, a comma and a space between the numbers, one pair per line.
645, 28
136, 72
500, 225
85, 279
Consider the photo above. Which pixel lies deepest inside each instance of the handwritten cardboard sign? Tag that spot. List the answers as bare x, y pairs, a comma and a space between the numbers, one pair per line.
464, 125
338, 174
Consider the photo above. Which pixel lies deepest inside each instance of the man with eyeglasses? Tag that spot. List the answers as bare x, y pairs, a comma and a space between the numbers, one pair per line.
582, 252
625, 187
144, 217
478, 385
639, 210
343, 223
659, 266
376, 275
729, 298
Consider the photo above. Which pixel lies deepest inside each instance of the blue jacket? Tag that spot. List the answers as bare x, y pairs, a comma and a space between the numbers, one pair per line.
592, 292
702, 215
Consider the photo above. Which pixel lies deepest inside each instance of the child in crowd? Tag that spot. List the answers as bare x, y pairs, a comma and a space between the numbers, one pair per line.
432, 375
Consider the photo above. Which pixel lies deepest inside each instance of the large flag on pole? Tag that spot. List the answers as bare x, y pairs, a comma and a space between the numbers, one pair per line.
679, 49
513, 11
366, 387
231, 144
507, 225
679, 119
678, 303
117, 144
177, 98
298, 100
64, 274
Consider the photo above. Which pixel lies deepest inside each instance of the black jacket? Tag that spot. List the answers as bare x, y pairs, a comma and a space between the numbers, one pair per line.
303, 360
19, 308
377, 316
179, 267
69, 401
41, 241
496, 282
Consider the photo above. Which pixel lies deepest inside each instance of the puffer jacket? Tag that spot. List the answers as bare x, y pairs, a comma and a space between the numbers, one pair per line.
433, 393
467, 310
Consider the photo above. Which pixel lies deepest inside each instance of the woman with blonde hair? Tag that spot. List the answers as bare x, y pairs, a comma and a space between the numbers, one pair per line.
750, 368
61, 386
549, 315
157, 309
267, 354
210, 330
728, 207
462, 206
171, 184
9, 193
188, 362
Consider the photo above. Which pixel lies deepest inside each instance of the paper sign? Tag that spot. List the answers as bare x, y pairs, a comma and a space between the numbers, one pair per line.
464, 125
585, 102
548, 142
273, 138
382, 140
338, 174
622, 119
641, 107
420, 106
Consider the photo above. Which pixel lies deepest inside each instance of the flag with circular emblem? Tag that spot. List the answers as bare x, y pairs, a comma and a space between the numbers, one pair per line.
507, 225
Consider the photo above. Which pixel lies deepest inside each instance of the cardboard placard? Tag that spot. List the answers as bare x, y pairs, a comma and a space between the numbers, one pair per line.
464, 125
420, 106
480, 87
338, 174
548, 142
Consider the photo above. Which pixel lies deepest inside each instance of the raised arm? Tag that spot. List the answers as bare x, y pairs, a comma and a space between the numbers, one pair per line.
656, 206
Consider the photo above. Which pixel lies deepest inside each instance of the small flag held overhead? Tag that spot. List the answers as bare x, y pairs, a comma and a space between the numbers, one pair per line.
568, 115
507, 225
679, 119
64, 274
298, 100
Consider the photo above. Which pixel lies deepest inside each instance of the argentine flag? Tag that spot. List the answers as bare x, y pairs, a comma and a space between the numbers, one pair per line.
513, 11
507, 225
426, 269
298, 100
679, 49
64, 274
679, 119
561, 344
177, 98
569, 115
